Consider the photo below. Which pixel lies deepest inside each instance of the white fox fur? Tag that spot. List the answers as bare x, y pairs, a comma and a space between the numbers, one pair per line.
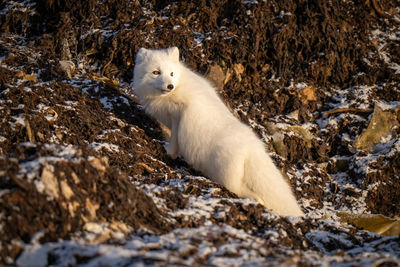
205, 133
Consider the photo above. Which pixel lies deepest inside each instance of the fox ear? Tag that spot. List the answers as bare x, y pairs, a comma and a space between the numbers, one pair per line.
141, 55
173, 52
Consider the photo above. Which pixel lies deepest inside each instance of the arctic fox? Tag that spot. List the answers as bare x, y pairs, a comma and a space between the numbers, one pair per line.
205, 133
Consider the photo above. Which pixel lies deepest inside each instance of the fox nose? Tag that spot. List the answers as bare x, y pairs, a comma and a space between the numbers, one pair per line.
170, 86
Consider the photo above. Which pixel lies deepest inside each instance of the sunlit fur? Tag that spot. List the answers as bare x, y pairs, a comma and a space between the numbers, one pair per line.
206, 134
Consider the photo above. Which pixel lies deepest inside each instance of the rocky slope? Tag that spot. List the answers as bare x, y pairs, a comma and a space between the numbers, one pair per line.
84, 178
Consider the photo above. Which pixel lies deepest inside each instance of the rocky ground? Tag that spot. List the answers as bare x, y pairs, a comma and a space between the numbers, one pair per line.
84, 177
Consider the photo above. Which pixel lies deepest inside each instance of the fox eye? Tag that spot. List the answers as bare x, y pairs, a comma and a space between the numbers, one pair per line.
172, 74
156, 72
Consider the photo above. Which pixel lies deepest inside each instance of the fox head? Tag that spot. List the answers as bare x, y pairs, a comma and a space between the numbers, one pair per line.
156, 72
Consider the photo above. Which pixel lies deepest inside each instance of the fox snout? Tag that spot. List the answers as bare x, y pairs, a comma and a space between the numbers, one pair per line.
168, 87
166, 84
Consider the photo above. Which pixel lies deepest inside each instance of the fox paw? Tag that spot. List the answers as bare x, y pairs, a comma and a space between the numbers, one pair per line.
170, 151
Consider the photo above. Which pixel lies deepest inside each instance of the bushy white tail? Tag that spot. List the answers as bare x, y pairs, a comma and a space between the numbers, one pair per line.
267, 185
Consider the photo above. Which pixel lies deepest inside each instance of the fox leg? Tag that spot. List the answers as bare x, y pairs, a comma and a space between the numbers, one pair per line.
172, 147
239, 182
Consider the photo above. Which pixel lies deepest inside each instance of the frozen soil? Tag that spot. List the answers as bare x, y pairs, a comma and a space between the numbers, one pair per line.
84, 177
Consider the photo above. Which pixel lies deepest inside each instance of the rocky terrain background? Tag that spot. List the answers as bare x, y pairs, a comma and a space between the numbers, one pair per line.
84, 178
